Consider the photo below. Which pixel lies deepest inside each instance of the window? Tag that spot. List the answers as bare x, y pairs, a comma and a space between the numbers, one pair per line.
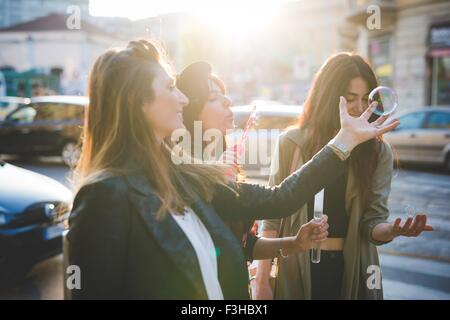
23, 116
412, 121
440, 81
439, 120
380, 55
6, 107
276, 122
59, 112
265, 121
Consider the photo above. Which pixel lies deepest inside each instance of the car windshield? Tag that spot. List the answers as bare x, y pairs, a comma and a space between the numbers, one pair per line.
6, 107
265, 121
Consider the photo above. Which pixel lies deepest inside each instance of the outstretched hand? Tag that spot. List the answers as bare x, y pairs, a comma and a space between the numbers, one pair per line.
412, 227
356, 130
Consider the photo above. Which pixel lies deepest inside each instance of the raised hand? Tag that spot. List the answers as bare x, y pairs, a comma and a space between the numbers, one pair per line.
356, 130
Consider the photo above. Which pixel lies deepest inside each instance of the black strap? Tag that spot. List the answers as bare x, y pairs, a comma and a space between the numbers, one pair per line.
310, 208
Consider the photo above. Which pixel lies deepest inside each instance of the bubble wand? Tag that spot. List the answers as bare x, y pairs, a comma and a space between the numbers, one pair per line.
250, 122
239, 148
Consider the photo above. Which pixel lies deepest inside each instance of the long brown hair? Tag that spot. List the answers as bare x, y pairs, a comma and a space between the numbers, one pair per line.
321, 113
118, 141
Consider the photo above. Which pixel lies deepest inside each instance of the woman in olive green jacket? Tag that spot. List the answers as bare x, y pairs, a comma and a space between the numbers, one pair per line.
358, 203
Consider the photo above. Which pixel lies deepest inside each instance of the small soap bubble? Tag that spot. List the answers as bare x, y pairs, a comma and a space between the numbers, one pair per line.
409, 211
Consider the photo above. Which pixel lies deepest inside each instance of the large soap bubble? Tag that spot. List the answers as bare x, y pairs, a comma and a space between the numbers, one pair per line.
386, 99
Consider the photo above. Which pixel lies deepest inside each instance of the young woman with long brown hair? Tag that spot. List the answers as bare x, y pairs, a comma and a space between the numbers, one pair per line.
209, 108
356, 202
144, 227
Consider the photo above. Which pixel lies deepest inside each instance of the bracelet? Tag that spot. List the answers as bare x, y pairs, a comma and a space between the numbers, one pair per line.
341, 154
282, 255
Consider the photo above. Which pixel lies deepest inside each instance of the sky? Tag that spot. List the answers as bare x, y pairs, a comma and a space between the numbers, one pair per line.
138, 9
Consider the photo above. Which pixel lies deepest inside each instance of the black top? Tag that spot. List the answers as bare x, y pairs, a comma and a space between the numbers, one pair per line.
334, 206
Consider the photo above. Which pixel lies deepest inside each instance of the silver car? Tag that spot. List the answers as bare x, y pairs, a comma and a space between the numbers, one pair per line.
423, 136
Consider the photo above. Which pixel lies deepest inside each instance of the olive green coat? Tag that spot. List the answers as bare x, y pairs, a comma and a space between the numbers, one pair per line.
360, 252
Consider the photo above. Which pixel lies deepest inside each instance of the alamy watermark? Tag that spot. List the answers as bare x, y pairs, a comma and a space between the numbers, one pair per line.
373, 22
73, 280
73, 21
374, 279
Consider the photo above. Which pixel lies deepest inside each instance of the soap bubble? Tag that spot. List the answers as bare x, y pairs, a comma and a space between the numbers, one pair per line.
409, 211
386, 98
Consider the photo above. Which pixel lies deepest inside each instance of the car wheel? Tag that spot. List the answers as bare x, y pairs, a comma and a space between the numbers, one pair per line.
70, 153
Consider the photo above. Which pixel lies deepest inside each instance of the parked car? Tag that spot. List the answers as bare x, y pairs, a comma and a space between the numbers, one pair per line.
423, 136
272, 119
33, 215
48, 125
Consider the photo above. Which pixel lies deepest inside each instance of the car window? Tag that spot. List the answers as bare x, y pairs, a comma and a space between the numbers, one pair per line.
275, 122
412, 121
58, 112
439, 120
23, 115
265, 121
240, 119
6, 107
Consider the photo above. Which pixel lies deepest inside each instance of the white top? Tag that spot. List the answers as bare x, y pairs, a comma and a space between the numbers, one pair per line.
204, 247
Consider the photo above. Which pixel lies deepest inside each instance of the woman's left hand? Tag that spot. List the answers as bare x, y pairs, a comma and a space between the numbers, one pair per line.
413, 227
311, 232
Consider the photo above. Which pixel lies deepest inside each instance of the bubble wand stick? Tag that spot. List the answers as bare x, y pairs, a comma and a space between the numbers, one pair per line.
239, 148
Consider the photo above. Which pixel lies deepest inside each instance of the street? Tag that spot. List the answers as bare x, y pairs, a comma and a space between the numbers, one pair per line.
412, 268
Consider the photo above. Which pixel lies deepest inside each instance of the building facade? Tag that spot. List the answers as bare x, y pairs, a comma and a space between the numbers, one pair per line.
411, 49
18, 11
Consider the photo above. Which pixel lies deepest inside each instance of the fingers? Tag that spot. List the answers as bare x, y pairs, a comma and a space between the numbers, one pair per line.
343, 107
380, 120
426, 227
414, 228
388, 127
405, 228
420, 225
396, 227
366, 114
321, 228
384, 123
320, 225
320, 237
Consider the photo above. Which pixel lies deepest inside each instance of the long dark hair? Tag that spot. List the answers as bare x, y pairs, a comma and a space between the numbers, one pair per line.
321, 113
194, 82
